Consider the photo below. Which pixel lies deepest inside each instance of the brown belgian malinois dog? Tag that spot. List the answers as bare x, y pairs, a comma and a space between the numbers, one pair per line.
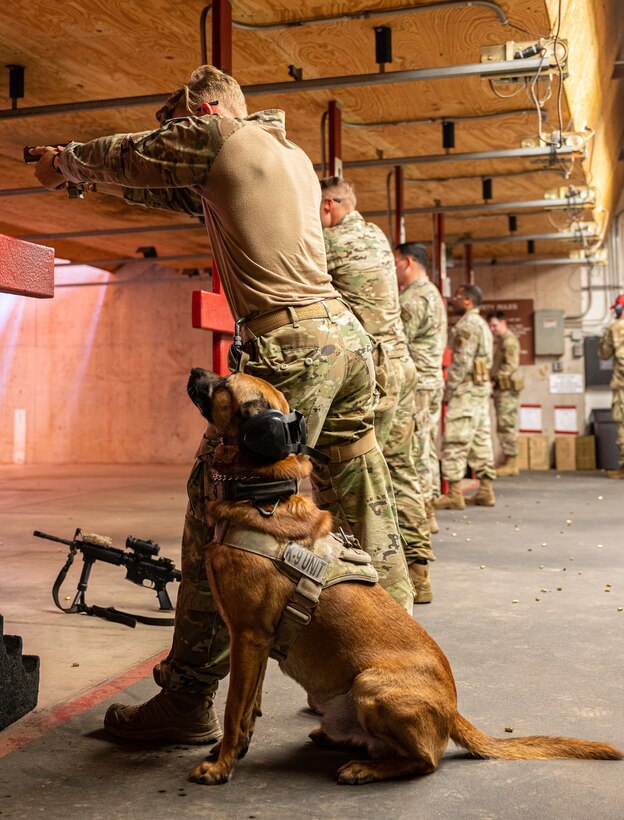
376, 677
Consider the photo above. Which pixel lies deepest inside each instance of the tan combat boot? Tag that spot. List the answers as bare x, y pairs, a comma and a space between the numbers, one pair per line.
169, 717
433, 523
452, 500
484, 497
619, 473
509, 467
419, 573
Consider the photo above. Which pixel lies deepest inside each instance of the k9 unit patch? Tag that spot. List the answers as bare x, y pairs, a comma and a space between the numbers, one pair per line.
306, 562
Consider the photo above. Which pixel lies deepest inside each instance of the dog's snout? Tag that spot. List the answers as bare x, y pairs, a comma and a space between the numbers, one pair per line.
197, 373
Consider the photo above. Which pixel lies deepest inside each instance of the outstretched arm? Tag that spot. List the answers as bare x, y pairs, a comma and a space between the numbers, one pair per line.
178, 155
181, 200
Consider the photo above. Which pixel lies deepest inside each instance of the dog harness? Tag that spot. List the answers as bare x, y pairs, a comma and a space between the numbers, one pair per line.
331, 560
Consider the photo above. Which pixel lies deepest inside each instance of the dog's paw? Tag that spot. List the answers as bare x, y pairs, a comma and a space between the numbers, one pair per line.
355, 773
210, 774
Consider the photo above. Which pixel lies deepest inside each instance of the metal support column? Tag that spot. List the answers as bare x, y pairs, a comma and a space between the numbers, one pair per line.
335, 138
470, 276
439, 250
399, 203
222, 35
222, 58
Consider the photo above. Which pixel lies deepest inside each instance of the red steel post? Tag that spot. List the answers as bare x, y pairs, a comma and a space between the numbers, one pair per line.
335, 138
221, 58
399, 204
470, 275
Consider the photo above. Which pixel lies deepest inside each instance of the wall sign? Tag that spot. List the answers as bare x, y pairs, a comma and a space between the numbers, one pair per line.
566, 383
519, 314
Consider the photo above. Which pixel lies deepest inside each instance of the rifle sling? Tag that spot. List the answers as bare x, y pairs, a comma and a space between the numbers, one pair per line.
109, 613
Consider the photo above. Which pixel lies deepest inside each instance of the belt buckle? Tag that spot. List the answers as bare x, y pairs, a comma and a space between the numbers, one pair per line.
298, 614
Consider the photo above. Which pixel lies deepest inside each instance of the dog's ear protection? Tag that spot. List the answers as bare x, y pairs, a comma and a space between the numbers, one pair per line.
271, 436
619, 309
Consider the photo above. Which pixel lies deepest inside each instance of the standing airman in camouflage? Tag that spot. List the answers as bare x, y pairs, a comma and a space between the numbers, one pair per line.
424, 318
467, 431
360, 262
260, 198
612, 344
507, 383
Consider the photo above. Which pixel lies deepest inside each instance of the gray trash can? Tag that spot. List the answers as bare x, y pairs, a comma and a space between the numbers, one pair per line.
603, 426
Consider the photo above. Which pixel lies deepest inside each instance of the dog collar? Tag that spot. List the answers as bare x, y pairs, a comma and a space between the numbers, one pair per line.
253, 488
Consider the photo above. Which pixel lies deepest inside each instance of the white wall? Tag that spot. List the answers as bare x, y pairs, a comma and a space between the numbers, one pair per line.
101, 369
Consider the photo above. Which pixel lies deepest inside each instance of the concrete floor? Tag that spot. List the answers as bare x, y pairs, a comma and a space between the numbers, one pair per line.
527, 608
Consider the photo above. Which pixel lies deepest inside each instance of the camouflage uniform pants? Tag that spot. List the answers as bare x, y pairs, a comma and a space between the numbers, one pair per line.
428, 410
506, 404
394, 426
325, 369
617, 413
468, 435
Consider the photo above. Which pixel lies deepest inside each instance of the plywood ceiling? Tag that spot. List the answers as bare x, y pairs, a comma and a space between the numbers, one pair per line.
97, 49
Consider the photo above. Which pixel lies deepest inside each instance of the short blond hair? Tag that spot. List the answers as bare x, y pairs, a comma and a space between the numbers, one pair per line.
340, 189
206, 84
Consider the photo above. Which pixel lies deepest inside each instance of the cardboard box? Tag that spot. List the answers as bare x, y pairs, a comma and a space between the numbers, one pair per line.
523, 452
565, 453
585, 452
539, 453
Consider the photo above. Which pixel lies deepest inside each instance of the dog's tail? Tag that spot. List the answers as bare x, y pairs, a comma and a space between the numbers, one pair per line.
535, 747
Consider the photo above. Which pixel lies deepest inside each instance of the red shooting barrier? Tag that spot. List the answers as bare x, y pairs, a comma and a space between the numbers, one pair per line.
26, 269
210, 311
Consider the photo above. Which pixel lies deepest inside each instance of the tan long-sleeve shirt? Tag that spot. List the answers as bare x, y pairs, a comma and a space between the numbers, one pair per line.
257, 190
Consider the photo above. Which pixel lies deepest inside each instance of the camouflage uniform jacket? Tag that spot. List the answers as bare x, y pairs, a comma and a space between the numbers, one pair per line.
506, 356
361, 264
472, 339
424, 319
612, 344
257, 190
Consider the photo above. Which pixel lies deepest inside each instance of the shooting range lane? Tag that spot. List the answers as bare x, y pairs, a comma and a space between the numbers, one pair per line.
80, 652
549, 666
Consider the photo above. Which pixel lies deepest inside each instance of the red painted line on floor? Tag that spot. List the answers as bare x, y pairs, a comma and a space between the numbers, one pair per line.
474, 483
34, 726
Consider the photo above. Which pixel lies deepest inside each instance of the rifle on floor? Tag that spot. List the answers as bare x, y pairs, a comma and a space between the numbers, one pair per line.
142, 568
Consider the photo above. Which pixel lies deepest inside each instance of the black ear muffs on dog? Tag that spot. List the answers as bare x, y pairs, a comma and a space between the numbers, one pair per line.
271, 436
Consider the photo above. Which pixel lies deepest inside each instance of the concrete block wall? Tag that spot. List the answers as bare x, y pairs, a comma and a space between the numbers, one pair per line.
550, 288
98, 373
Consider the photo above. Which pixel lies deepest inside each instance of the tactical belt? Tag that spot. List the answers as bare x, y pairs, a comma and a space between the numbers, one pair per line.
287, 316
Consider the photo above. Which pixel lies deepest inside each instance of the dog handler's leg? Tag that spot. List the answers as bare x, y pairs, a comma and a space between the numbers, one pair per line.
356, 485
183, 711
326, 371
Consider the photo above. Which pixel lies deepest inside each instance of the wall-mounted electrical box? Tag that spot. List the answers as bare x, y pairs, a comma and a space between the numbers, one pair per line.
548, 330
598, 371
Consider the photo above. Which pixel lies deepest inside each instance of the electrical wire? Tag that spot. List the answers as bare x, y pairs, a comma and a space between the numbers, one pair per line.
560, 70
505, 96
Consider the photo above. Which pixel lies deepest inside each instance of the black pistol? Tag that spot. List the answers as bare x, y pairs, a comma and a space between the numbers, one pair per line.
74, 189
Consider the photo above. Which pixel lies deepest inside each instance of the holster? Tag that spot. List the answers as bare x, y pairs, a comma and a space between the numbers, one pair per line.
517, 382
382, 364
481, 371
